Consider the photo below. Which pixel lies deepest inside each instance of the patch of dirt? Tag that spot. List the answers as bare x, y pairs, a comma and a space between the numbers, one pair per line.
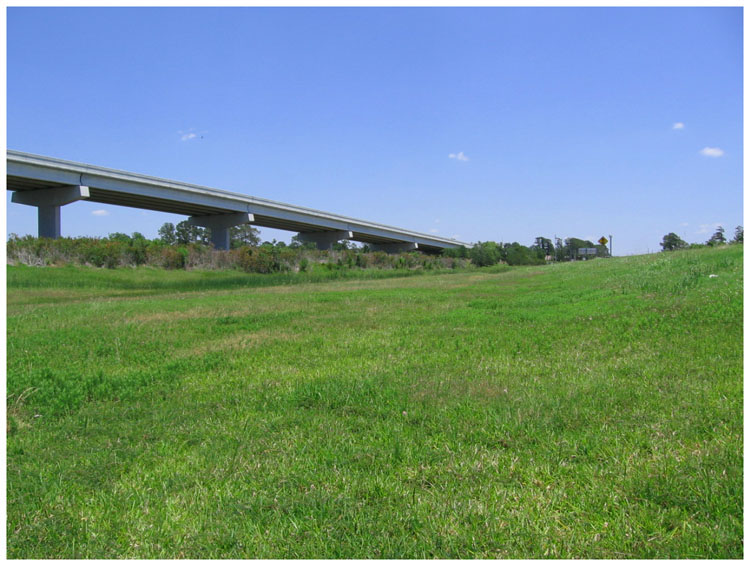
239, 341
442, 391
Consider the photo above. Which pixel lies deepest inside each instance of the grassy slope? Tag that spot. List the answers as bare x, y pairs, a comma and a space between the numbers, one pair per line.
577, 410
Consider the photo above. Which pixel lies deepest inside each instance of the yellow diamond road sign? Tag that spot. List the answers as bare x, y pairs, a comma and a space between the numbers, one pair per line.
603, 241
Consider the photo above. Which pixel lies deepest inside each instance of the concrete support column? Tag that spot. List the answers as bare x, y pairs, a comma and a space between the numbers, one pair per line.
49, 201
220, 238
325, 240
394, 248
49, 222
219, 224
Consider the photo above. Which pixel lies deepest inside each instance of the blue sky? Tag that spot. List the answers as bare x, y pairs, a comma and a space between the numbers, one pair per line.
480, 124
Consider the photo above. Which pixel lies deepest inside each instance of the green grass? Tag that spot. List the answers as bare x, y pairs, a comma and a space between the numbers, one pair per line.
576, 410
151, 280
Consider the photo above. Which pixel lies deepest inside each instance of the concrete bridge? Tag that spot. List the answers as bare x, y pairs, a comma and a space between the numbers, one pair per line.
49, 183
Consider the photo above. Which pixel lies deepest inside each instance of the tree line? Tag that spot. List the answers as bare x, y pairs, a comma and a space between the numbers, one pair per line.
185, 233
184, 246
482, 254
542, 251
671, 242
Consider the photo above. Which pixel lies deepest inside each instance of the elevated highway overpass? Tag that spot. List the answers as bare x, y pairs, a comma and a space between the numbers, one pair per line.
50, 183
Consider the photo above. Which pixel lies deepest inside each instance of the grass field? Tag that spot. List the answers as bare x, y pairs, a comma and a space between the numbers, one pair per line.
588, 409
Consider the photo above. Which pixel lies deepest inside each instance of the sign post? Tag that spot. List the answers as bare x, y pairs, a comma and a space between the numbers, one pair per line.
603, 241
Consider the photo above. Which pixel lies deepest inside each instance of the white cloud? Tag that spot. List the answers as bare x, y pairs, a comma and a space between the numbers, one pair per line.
678, 126
460, 156
712, 151
434, 231
191, 134
100, 212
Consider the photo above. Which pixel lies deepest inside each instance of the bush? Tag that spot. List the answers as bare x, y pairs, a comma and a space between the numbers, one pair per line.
171, 258
259, 260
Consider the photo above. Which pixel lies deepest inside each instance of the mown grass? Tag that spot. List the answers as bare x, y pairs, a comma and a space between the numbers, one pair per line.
577, 410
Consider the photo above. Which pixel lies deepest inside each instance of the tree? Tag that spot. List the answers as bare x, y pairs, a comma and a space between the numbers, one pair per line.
485, 253
119, 237
671, 242
543, 247
543, 243
718, 237
341, 245
167, 234
187, 233
243, 235
572, 245
297, 243
559, 249
516, 254
460, 251
739, 234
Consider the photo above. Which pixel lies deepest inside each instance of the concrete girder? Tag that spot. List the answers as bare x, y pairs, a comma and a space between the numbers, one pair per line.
325, 240
394, 248
48, 203
220, 225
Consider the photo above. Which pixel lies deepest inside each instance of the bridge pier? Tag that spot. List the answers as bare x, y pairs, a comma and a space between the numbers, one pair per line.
394, 248
48, 203
48, 221
219, 224
325, 240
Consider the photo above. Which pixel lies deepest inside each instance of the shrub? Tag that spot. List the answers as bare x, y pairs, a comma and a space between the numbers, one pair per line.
171, 258
380, 259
